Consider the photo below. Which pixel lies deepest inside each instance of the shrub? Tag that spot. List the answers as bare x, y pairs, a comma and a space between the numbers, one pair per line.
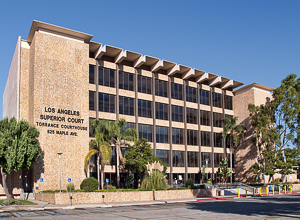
89, 184
183, 188
202, 187
189, 183
156, 180
70, 187
111, 187
173, 188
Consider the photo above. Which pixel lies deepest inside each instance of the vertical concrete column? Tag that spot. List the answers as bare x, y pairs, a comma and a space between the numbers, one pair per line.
98, 64
154, 113
117, 91
135, 85
199, 126
212, 132
185, 130
170, 130
223, 114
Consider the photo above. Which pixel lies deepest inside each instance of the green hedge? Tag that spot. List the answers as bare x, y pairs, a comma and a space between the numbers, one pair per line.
126, 190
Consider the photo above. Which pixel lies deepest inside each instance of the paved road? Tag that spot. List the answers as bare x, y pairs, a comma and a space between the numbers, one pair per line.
270, 207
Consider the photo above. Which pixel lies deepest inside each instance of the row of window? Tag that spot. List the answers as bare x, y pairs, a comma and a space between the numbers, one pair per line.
126, 82
162, 135
178, 158
126, 107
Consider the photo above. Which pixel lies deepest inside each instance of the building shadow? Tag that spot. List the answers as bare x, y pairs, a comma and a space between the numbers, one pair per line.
268, 206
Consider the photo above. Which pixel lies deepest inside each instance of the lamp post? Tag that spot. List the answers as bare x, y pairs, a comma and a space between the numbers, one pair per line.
206, 164
59, 158
264, 173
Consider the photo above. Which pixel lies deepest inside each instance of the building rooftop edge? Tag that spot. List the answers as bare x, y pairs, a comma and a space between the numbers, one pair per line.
36, 25
95, 47
257, 85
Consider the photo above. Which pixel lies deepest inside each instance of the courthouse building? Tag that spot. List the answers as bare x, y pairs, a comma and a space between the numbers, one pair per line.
59, 80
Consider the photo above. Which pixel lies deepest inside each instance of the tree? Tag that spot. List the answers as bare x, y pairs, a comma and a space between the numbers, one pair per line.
286, 106
276, 127
232, 133
138, 156
116, 134
19, 148
223, 171
102, 149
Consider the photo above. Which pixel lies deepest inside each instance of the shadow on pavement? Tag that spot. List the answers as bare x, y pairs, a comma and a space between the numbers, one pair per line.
281, 206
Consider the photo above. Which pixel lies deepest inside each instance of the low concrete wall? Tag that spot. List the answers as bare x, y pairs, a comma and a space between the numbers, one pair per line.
135, 196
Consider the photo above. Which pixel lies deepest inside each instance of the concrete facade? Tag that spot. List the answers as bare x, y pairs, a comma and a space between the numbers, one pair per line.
246, 153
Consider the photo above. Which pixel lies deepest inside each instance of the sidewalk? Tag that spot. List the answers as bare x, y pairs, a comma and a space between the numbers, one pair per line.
48, 206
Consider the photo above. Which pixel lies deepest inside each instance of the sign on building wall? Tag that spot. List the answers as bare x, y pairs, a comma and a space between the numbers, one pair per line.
61, 121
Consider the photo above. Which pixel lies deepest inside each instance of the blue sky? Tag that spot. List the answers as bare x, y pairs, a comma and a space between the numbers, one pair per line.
248, 41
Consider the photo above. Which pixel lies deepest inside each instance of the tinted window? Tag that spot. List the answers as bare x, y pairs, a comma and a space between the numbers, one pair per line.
161, 88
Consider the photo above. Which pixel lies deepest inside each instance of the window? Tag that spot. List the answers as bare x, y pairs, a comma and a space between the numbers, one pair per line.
192, 159
106, 77
113, 156
178, 158
106, 102
92, 100
191, 116
192, 137
227, 141
126, 80
92, 74
229, 116
177, 113
91, 133
144, 84
218, 120
161, 111
217, 100
176, 91
204, 117
191, 94
145, 131
204, 97
129, 125
228, 102
145, 109
161, 88
218, 139
217, 159
206, 159
205, 138
177, 136
162, 134
123, 151
164, 155
126, 105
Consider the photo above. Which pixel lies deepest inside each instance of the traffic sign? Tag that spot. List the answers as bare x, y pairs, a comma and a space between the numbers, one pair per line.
107, 180
42, 180
69, 180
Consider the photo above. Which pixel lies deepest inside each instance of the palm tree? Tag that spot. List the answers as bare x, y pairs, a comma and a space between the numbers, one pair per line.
102, 149
232, 131
115, 134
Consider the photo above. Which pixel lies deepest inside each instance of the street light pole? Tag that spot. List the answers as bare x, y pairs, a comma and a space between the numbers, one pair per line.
264, 173
59, 158
206, 163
